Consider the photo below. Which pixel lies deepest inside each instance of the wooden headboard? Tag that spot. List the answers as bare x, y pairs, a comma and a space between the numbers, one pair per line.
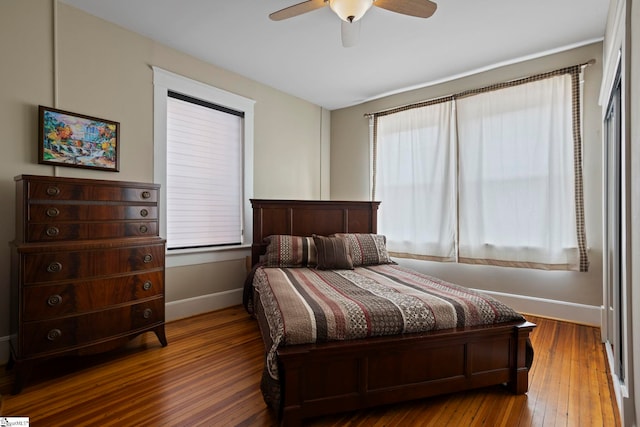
308, 217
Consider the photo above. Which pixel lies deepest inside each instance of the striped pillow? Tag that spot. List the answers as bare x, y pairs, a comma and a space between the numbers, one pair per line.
290, 251
367, 249
333, 253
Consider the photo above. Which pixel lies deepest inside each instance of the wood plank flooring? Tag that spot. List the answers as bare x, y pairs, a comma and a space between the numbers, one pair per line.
209, 375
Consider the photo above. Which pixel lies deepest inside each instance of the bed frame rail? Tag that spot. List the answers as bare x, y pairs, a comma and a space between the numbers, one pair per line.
334, 378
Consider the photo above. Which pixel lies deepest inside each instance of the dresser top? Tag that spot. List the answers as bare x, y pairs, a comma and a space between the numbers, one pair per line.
85, 181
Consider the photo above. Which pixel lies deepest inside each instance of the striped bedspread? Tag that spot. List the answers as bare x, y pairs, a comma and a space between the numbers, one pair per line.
304, 305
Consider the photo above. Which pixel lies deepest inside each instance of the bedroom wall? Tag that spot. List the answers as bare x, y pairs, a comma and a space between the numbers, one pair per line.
567, 295
105, 71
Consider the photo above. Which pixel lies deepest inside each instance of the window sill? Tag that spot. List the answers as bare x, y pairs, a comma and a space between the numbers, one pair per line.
183, 257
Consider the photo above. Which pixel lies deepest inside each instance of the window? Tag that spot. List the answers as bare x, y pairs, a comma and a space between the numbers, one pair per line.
204, 174
499, 183
203, 159
415, 182
516, 175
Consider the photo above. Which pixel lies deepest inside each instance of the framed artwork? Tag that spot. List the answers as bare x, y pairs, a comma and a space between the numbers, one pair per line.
76, 140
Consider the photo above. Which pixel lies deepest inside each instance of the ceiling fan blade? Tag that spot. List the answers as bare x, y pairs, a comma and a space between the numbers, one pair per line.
418, 8
350, 33
297, 9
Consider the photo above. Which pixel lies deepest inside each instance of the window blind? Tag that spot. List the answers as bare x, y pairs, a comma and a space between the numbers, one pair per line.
204, 173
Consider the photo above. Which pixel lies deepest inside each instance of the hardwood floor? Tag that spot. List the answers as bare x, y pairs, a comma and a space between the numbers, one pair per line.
209, 375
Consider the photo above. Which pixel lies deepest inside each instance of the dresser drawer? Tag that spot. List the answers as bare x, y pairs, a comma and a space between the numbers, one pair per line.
45, 190
86, 329
50, 301
54, 232
48, 212
86, 264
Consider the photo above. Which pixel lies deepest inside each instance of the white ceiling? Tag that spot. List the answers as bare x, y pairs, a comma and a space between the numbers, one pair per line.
303, 56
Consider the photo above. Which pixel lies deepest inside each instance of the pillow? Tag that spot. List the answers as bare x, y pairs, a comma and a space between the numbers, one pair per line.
333, 253
290, 251
367, 249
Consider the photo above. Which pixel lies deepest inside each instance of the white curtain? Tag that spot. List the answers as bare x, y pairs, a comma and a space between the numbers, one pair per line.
516, 176
415, 180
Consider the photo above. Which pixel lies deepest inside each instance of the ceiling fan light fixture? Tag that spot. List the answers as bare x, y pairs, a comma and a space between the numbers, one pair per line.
350, 10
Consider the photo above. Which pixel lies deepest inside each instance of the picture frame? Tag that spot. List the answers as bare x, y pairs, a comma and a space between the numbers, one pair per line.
77, 140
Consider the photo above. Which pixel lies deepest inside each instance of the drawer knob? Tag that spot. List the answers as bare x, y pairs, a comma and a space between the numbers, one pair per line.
53, 212
147, 258
54, 334
143, 229
147, 313
147, 285
144, 213
54, 300
54, 267
53, 190
53, 231
146, 194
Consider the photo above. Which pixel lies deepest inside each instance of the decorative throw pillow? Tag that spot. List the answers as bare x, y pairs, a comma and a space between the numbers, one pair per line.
333, 253
367, 249
290, 251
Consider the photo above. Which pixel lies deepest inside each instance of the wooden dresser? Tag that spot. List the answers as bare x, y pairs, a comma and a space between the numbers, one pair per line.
87, 268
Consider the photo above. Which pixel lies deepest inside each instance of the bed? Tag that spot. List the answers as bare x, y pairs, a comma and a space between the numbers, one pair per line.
326, 368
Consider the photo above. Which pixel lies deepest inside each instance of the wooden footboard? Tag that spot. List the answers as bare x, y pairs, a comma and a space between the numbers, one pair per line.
343, 376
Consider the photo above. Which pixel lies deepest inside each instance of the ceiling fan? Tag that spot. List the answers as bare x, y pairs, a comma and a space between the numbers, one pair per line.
350, 12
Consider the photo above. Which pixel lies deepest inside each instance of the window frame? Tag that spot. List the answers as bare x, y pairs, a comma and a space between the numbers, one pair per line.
163, 82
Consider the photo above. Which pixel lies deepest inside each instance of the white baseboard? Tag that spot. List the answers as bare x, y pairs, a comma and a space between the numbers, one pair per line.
202, 304
561, 310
